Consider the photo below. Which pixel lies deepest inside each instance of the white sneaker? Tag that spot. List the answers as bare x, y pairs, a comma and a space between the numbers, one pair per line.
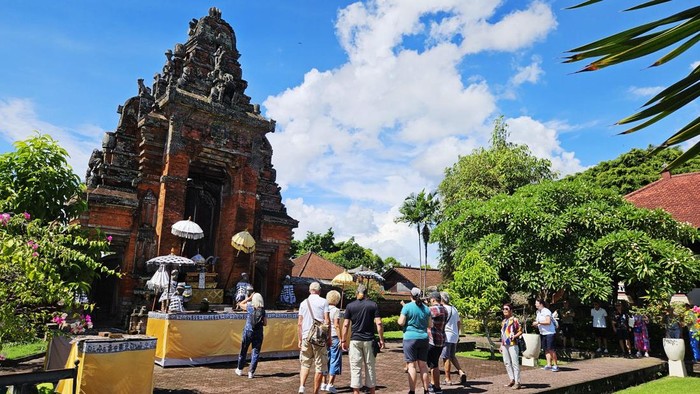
598, 350
301, 389
238, 372
331, 389
646, 354
250, 375
324, 387
605, 351
639, 354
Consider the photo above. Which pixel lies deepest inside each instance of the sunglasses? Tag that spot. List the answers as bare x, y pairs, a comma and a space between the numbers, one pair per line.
506, 309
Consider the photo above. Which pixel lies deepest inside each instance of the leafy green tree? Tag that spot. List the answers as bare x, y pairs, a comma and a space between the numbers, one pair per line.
575, 237
479, 290
36, 178
391, 262
634, 169
501, 168
680, 31
315, 242
42, 268
351, 255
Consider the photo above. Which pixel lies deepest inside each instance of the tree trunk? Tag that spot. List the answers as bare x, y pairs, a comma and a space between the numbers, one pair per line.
492, 345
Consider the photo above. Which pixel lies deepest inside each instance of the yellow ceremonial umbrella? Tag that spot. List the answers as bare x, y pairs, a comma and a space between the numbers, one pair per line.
242, 242
343, 279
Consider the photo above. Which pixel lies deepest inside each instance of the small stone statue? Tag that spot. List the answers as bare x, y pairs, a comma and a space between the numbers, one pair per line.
170, 292
204, 305
176, 301
193, 27
241, 288
287, 297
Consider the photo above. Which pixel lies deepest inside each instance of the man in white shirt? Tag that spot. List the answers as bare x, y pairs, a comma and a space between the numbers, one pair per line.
600, 326
452, 329
312, 308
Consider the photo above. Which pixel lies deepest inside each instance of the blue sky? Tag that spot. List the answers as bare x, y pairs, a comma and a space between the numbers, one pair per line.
372, 99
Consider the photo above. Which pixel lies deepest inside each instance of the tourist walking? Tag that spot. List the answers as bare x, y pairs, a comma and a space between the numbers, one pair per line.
415, 321
600, 327
452, 329
335, 353
363, 314
567, 315
641, 335
252, 334
312, 309
510, 332
436, 340
620, 325
545, 323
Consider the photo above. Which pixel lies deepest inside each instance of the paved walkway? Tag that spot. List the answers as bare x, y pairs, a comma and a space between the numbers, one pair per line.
282, 376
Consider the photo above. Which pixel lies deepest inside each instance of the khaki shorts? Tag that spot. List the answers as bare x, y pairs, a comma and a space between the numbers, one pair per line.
317, 354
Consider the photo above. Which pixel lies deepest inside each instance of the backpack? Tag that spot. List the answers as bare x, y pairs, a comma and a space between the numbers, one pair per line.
318, 335
258, 315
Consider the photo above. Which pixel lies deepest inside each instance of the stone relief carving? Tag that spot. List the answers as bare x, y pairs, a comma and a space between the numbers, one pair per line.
92, 176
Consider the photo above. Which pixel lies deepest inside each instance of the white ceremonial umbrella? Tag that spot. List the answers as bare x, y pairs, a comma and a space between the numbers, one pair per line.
187, 229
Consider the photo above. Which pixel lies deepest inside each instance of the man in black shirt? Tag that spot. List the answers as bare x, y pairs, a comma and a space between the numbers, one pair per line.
364, 315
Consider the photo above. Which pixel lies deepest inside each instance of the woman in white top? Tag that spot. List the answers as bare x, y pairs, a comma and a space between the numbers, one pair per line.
335, 353
545, 323
452, 328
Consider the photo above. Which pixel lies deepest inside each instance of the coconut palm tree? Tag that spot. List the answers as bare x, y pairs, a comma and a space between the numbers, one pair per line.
419, 210
680, 31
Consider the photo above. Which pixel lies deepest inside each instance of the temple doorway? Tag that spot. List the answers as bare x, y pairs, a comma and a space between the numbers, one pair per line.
203, 205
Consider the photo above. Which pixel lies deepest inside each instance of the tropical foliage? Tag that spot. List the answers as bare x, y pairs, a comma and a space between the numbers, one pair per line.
567, 236
420, 210
678, 33
348, 254
36, 178
501, 168
634, 169
42, 269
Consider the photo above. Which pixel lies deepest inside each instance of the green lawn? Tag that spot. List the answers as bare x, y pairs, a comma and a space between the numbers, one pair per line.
667, 385
13, 351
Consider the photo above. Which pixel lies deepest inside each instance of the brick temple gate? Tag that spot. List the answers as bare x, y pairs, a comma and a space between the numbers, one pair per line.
191, 145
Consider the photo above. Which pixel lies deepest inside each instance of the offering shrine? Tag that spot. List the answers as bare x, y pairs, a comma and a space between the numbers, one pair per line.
189, 146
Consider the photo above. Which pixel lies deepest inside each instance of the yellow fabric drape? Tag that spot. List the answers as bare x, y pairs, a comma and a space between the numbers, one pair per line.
192, 342
104, 373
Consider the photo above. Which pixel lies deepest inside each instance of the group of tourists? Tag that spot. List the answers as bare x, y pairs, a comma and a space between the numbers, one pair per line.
431, 328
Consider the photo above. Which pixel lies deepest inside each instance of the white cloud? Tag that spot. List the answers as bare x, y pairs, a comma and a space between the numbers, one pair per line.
19, 120
647, 91
543, 142
388, 121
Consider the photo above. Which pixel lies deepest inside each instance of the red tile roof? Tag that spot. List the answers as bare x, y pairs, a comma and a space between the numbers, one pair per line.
412, 275
314, 266
678, 195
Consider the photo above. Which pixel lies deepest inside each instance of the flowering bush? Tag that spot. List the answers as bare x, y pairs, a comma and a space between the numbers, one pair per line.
76, 325
694, 325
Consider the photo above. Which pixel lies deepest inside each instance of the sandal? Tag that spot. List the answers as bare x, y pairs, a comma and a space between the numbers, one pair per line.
448, 383
512, 382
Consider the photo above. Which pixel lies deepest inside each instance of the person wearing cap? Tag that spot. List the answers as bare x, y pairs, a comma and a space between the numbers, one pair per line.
452, 329
436, 339
313, 308
415, 321
363, 314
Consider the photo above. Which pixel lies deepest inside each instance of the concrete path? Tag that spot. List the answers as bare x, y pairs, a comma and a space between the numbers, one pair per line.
282, 376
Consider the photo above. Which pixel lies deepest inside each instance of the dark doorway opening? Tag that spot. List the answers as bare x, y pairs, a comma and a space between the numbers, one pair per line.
203, 205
